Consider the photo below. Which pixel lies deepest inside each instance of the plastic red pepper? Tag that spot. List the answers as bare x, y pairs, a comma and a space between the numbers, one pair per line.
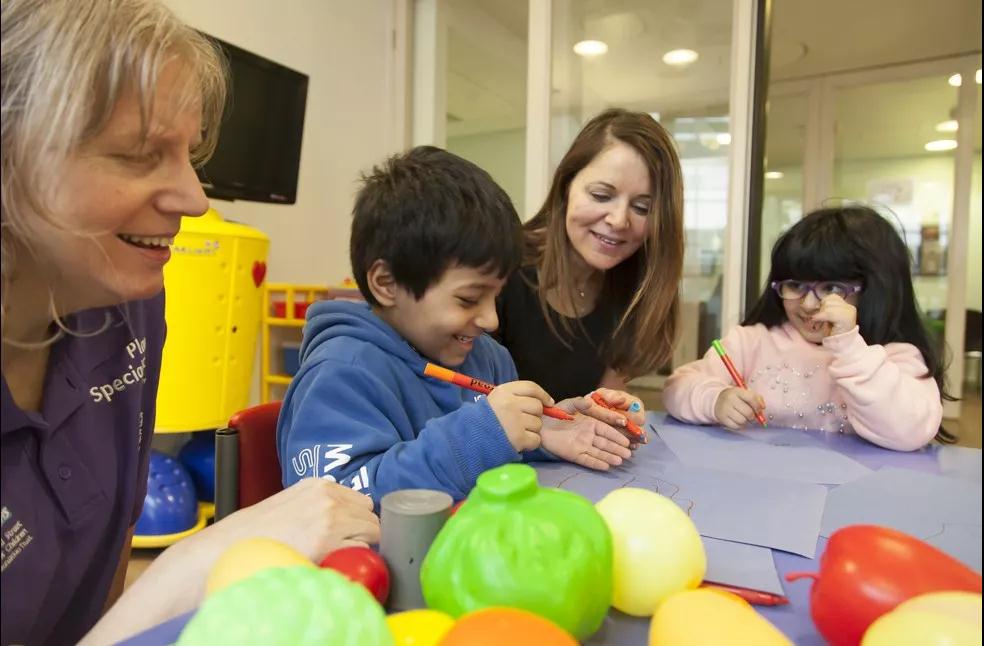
867, 570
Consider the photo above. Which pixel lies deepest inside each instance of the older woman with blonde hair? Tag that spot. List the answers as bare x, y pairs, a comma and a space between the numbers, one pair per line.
107, 106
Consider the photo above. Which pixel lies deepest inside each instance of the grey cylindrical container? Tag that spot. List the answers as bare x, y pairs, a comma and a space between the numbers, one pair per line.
409, 521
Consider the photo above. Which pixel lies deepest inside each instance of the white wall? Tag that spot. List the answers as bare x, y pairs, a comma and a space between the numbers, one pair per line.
502, 155
346, 48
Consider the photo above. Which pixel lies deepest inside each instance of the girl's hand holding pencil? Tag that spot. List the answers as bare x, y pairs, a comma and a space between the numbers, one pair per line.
735, 407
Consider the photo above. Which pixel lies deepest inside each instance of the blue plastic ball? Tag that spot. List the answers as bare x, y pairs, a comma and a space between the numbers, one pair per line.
198, 457
170, 505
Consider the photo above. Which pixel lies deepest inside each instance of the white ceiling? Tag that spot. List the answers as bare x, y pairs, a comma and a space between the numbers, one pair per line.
487, 63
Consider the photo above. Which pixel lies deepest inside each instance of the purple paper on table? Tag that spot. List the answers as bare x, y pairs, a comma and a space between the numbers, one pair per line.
774, 513
781, 453
940, 510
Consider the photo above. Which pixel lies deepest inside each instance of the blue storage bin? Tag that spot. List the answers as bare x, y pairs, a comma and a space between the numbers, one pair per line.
292, 357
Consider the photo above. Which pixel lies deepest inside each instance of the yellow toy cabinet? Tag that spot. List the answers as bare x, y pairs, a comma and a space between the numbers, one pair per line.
214, 295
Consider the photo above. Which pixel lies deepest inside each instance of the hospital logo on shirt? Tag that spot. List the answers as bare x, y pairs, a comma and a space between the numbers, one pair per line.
14, 539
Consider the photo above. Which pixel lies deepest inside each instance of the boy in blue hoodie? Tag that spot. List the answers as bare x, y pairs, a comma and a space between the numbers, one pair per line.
433, 241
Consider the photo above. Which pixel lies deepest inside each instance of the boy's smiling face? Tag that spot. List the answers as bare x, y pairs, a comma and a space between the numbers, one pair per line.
452, 313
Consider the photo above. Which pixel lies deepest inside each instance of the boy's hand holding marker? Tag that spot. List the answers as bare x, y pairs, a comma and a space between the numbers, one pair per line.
518, 405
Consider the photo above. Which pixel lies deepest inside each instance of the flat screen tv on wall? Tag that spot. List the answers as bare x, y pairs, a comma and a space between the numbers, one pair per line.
259, 148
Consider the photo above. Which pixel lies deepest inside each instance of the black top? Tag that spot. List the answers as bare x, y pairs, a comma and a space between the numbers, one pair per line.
539, 355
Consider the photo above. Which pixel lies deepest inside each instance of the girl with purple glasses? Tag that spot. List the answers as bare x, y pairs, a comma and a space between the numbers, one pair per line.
835, 343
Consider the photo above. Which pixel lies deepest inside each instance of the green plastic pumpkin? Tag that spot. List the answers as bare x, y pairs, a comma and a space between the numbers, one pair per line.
517, 545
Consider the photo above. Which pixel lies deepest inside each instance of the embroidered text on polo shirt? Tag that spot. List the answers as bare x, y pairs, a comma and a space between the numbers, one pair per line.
14, 538
133, 375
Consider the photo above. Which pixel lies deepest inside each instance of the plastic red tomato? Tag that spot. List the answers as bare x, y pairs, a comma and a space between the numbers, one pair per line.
867, 570
457, 505
362, 565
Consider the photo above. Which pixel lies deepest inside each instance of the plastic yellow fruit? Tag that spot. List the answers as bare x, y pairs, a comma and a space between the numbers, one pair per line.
657, 549
706, 617
419, 627
933, 619
248, 557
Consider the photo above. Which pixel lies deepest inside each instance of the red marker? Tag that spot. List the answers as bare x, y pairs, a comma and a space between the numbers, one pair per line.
754, 597
637, 433
479, 386
716, 344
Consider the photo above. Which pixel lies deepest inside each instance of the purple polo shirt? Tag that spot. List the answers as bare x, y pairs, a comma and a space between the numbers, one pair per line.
74, 475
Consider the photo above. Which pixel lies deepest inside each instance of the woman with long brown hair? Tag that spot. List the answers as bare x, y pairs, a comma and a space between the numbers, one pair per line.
595, 302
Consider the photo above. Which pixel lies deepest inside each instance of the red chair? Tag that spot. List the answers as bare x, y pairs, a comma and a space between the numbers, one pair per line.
247, 468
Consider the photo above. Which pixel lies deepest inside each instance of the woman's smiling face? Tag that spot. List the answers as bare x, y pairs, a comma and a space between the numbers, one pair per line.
608, 207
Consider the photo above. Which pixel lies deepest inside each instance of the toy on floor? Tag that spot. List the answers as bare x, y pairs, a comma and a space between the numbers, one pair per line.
518, 545
198, 458
170, 506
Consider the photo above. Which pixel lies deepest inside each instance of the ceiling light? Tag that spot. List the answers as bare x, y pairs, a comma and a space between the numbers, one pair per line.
941, 144
590, 48
723, 138
773, 174
680, 57
956, 79
947, 126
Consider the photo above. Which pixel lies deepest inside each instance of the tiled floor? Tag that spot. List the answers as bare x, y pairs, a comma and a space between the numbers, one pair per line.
967, 428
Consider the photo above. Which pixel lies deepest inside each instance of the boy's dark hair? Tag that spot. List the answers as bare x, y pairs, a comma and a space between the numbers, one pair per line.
854, 243
426, 209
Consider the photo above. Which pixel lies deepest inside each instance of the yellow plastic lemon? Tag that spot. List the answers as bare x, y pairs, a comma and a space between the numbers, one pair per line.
706, 617
419, 627
933, 619
247, 557
657, 549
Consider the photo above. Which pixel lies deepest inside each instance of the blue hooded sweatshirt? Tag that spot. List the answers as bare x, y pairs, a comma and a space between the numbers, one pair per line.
360, 411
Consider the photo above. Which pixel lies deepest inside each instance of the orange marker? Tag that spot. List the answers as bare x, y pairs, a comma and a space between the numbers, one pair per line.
479, 386
716, 344
754, 597
637, 433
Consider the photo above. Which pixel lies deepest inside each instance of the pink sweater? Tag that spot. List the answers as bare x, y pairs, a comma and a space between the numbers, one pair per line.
879, 392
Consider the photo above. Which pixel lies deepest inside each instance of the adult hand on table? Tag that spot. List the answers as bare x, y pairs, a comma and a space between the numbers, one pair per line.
628, 408
314, 516
586, 441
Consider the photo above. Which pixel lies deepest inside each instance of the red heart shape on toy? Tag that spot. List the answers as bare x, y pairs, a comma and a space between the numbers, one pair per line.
259, 272
867, 570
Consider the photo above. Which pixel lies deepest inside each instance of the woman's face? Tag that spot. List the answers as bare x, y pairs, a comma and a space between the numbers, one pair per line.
608, 206
120, 199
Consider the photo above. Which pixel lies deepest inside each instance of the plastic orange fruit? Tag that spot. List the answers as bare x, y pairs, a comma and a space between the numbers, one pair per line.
497, 626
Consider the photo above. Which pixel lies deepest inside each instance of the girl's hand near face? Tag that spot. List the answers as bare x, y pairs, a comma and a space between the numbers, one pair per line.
839, 315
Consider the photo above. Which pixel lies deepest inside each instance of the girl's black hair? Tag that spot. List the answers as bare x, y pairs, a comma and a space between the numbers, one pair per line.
854, 243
